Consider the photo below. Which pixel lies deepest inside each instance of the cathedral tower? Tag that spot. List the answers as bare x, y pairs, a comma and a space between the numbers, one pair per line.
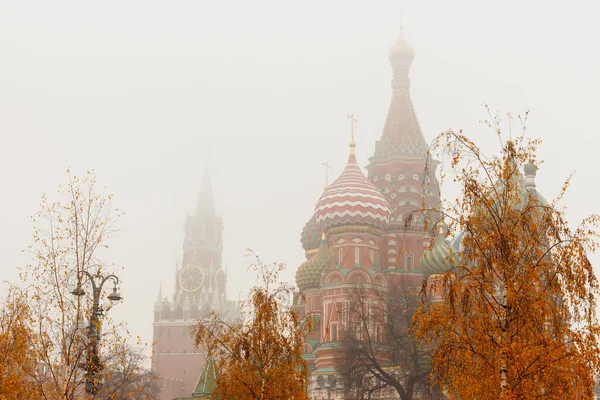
353, 215
402, 170
373, 234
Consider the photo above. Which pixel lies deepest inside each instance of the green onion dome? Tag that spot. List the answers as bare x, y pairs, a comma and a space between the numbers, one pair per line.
440, 257
311, 237
309, 273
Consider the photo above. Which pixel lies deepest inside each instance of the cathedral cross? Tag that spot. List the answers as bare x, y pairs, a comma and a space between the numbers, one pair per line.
401, 22
353, 121
327, 169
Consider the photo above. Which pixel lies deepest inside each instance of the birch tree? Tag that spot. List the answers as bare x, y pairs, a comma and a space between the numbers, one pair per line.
259, 357
70, 239
517, 318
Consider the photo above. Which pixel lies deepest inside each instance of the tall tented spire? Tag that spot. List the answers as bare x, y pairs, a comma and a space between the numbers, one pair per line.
207, 383
159, 298
401, 134
206, 201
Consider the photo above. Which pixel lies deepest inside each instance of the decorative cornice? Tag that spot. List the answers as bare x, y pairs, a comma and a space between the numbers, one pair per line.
339, 230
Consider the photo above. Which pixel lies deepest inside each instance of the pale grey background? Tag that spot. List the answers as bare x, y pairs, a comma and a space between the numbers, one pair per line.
139, 90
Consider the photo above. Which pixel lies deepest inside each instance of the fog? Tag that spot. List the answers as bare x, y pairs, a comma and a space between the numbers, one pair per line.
148, 93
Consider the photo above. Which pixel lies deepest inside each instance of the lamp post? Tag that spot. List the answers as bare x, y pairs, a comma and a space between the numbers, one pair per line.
92, 365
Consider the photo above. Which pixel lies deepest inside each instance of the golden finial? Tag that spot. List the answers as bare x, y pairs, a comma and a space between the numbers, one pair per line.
352, 122
401, 22
327, 169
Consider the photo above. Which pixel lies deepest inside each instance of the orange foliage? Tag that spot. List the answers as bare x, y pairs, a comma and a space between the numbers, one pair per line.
16, 356
518, 316
260, 356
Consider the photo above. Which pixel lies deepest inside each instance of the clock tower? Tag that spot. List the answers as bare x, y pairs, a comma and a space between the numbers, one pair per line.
199, 289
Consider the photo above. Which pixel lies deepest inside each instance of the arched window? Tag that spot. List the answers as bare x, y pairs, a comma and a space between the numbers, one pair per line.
165, 312
409, 263
178, 313
340, 255
356, 255
194, 313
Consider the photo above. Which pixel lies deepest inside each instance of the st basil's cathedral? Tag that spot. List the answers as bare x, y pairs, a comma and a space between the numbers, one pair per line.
368, 230
365, 230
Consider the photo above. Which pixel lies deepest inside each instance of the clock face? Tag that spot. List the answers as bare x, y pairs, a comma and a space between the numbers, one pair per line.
191, 278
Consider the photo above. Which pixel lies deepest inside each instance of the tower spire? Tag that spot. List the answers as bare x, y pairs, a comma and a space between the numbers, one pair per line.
159, 298
401, 134
401, 23
206, 202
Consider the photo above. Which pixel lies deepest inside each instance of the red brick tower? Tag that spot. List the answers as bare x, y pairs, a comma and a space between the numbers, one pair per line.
199, 289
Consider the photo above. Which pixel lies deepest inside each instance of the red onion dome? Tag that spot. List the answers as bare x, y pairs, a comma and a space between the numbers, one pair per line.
311, 236
352, 200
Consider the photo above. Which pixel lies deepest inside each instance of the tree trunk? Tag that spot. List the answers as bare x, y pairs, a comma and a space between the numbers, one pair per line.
504, 355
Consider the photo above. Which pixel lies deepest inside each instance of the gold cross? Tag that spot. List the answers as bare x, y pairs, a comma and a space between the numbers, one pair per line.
401, 24
510, 119
327, 169
353, 121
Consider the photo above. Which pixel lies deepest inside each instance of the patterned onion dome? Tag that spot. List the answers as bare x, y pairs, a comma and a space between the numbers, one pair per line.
309, 273
311, 235
519, 183
352, 200
401, 52
440, 257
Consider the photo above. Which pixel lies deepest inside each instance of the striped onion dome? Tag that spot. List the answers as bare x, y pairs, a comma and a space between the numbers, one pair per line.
352, 200
309, 273
311, 236
439, 258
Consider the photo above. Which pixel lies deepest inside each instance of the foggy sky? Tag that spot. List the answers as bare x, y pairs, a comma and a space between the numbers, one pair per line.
140, 90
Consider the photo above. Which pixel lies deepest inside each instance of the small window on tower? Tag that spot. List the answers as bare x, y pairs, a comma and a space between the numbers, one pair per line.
356, 255
409, 263
334, 333
371, 257
340, 255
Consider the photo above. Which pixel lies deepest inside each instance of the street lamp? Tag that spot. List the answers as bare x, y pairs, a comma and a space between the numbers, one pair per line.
93, 333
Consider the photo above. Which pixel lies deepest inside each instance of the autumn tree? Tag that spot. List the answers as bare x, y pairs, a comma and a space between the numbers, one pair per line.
17, 361
125, 376
69, 240
517, 317
258, 356
378, 353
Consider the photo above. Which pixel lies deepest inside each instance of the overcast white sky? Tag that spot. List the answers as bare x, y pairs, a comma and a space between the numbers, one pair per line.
138, 90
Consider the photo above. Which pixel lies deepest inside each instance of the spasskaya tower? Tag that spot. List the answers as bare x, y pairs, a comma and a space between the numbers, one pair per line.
199, 289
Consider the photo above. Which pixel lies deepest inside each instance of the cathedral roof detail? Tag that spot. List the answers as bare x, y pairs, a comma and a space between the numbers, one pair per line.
440, 257
309, 273
311, 235
207, 382
352, 200
401, 134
